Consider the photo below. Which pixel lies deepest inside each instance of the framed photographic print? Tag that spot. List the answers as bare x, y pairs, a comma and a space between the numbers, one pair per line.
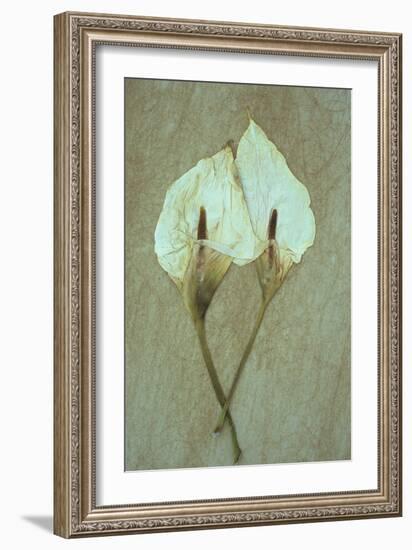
227, 274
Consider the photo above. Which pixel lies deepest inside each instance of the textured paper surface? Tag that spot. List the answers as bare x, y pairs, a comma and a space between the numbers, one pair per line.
292, 403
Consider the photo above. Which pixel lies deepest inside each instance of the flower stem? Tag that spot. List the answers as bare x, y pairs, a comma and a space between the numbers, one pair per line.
241, 366
220, 395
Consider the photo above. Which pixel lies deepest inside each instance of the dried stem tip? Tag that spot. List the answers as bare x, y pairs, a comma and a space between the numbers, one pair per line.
201, 228
272, 236
272, 225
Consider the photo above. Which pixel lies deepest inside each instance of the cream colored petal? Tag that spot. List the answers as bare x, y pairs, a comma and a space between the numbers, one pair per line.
269, 184
213, 185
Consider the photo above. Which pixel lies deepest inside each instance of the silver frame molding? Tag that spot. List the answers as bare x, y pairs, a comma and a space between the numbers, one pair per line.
75, 38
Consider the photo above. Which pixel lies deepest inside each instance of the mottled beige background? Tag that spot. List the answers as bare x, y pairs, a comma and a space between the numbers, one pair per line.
293, 401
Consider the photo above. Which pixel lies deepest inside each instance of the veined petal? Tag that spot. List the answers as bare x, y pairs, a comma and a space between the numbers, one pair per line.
212, 185
269, 184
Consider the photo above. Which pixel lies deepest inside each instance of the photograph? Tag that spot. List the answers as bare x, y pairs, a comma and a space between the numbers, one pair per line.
227, 285
237, 274
205, 234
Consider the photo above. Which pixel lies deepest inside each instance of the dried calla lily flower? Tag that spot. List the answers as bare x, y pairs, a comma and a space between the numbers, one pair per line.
269, 185
205, 271
281, 217
203, 227
212, 185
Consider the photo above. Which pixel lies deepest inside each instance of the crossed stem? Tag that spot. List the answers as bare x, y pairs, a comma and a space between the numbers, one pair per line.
268, 274
220, 395
243, 361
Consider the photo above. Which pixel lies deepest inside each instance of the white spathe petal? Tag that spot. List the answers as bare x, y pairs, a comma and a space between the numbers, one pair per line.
269, 184
213, 185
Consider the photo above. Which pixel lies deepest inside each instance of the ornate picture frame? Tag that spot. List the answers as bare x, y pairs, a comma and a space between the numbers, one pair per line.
76, 510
